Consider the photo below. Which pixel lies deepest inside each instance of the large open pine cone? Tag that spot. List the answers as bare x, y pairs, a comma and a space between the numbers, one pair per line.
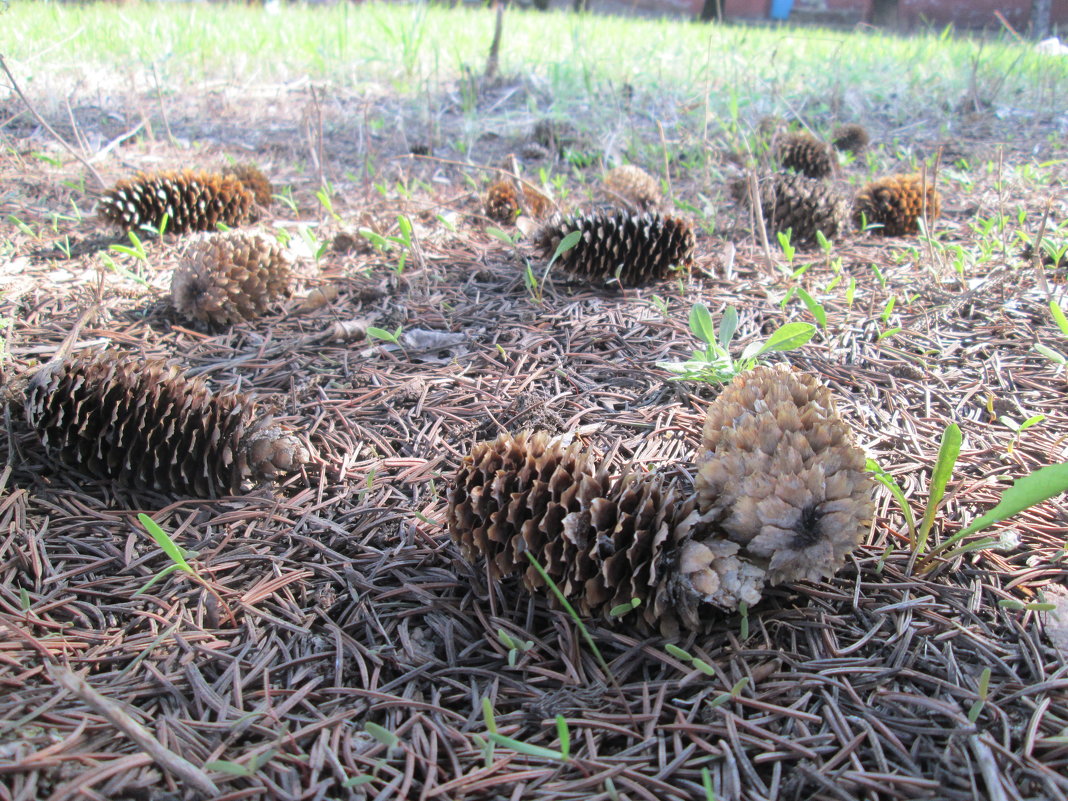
896, 203
803, 206
602, 542
634, 185
779, 472
805, 154
635, 248
142, 424
192, 201
229, 277
253, 179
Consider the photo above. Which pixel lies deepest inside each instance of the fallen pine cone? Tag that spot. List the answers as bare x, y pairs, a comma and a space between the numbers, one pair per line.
142, 424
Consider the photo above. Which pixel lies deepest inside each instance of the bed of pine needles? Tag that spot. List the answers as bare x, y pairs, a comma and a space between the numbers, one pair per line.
340, 647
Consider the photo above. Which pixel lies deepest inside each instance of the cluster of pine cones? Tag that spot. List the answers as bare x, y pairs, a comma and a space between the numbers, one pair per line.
634, 240
781, 495
799, 199
140, 422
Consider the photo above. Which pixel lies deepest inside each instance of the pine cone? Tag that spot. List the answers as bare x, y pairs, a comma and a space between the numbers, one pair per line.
801, 205
805, 154
603, 543
635, 186
229, 277
501, 203
778, 471
851, 138
253, 179
896, 203
141, 424
635, 248
192, 201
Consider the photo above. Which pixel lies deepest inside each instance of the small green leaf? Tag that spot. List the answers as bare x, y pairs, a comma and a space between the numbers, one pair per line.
503, 236
229, 768
25, 602
814, 307
1051, 354
566, 244
948, 452
706, 782
380, 733
788, 337
728, 325
677, 652
488, 716
622, 609
525, 748
564, 735
165, 542
379, 333
704, 667
1059, 316
701, 323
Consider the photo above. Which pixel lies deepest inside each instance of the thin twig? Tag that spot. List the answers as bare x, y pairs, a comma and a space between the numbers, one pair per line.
49, 128
1037, 251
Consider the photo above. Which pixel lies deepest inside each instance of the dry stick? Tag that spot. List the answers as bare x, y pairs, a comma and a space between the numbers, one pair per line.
758, 212
163, 756
162, 108
49, 128
493, 61
1036, 251
77, 131
667, 163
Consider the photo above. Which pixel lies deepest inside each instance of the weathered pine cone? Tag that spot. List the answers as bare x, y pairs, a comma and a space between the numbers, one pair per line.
803, 206
779, 473
635, 186
850, 138
140, 423
602, 542
636, 249
228, 277
192, 201
896, 203
501, 203
253, 179
805, 154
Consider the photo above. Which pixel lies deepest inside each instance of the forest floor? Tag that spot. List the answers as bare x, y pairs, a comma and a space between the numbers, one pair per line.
355, 649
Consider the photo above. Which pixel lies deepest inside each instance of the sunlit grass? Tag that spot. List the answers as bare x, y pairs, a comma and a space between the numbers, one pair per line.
728, 70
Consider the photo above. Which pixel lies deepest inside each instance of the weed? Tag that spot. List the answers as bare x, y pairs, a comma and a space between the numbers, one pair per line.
514, 646
388, 336
714, 363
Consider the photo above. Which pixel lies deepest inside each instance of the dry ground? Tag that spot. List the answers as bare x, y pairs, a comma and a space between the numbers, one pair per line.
352, 607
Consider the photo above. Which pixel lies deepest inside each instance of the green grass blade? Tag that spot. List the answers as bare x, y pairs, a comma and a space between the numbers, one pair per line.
381, 733
943, 469
526, 748
1041, 485
564, 735
1058, 315
163, 539
888, 481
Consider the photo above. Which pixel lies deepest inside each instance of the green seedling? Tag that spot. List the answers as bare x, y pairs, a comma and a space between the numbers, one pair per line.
1019, 428
706, 783
1036, 487
982, 692
1062, 323
625, 608
383, 334
714, 363
171, 548
381, 733
815, 308
137, 250
514, 646
788, 250
247, 770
